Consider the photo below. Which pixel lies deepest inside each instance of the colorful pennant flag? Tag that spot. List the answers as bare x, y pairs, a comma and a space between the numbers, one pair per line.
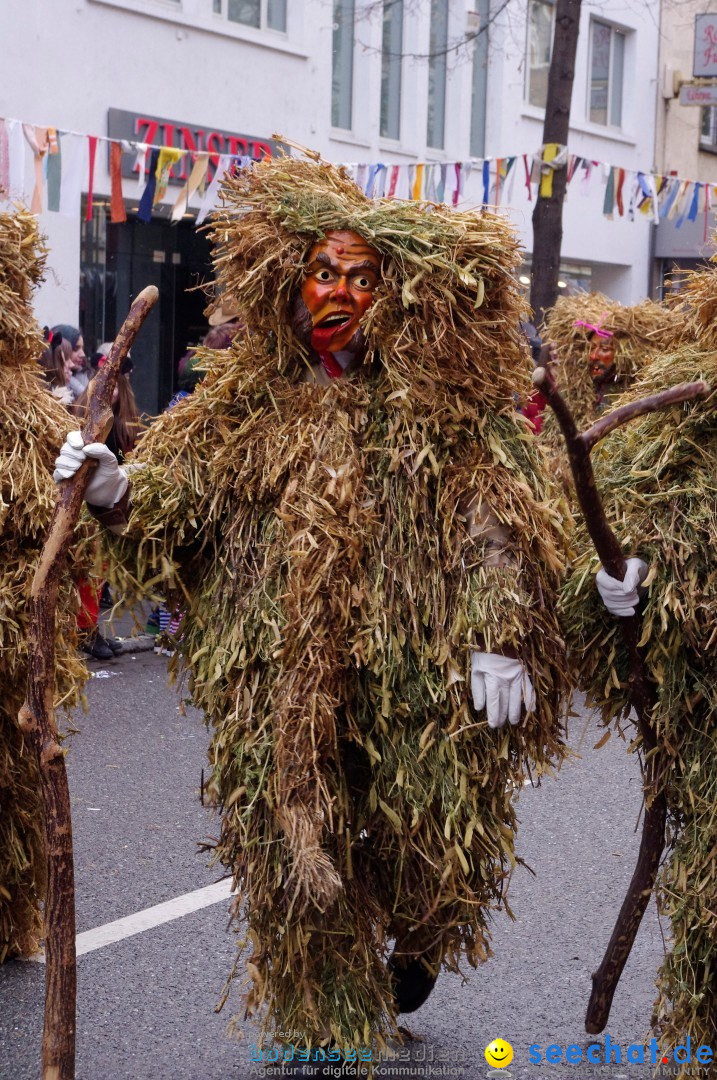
212, 195
146, 203
118, 214
196, 181
168, 156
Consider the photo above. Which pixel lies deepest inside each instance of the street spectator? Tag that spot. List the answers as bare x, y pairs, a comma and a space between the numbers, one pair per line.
226, 315
80, 376
56, 364
125, 431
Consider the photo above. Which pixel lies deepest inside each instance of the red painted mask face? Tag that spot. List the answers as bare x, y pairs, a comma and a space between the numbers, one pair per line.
342, 272
602, 359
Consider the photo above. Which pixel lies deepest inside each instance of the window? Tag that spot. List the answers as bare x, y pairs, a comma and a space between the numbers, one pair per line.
391, 48
480, 78
708, 128
263, 14
607, 62
342, 64
540, 50
437, 65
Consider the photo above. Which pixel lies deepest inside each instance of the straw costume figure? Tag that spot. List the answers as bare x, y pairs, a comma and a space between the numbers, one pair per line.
657, 479
600, 347
352, 512
32, 426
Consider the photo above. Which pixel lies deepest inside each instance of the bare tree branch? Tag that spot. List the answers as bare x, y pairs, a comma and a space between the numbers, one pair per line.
642, 691
37, 720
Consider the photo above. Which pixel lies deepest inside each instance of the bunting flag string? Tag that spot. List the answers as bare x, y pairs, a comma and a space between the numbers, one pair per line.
63, 166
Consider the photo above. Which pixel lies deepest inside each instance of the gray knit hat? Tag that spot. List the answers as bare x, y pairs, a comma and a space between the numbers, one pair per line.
69, 333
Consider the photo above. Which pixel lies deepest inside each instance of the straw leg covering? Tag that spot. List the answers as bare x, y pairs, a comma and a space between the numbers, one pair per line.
32, 425
21, 846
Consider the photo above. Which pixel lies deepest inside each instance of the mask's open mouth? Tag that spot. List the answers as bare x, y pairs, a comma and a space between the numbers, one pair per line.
336, 326
335, 320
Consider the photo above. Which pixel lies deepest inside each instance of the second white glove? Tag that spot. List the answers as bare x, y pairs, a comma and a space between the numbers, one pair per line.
621, 597
501, 686
108, 481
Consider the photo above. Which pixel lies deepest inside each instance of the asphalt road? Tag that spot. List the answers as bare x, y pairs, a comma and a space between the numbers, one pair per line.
146, 1004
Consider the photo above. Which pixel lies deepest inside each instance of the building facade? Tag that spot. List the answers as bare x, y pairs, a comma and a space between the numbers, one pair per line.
362, 81
612, 122
686, 139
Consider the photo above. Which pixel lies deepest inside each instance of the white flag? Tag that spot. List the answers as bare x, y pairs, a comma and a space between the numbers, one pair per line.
210, 199
74, 172
16, 154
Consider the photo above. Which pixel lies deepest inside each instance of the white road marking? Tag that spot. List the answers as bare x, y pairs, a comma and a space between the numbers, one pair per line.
147, 919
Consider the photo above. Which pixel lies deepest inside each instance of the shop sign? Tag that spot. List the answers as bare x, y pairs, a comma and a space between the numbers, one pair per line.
705, 60
160, 131
698, 95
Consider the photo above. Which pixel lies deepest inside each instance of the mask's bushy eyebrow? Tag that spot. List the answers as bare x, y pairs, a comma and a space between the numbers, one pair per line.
325, 260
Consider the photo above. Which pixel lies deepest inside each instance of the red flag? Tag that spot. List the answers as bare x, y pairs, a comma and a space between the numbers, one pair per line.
117, 210
620, 182
92, 140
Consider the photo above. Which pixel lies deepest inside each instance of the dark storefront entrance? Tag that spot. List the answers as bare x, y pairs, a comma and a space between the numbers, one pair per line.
117, 261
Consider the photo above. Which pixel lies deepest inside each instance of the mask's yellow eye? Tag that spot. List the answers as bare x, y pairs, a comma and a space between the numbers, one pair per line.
323, 275
362, 282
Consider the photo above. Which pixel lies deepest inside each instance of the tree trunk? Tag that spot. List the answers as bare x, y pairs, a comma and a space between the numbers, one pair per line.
548, 212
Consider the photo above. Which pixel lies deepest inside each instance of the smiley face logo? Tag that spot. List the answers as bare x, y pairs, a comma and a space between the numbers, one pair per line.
499, 1053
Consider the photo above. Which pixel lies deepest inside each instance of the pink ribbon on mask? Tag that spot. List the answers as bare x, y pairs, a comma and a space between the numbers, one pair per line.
595, 329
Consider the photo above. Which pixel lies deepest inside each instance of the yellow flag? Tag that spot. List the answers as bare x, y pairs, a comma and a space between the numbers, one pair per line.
550, 152
168, 156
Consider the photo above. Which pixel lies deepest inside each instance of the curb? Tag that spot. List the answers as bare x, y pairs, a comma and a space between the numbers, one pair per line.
140, 643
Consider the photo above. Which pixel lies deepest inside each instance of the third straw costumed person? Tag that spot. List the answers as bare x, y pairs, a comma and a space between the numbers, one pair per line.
32, 426
657, 476
353, 514
600, 347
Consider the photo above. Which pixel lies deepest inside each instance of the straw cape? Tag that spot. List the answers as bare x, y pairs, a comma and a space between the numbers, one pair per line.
637, 331
32, 427
316, 540
658, 478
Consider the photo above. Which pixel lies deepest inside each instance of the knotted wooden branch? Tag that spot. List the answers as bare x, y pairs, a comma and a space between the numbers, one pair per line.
37, 719
642, 691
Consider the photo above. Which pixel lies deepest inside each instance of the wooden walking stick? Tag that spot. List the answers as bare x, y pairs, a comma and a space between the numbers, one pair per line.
37, 719
642, 691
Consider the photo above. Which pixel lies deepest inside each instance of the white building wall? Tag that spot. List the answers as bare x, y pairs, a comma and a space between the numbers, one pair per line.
619, 249
175, 58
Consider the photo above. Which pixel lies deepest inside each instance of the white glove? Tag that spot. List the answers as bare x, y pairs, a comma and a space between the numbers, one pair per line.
108, 481
620, 597
501, 686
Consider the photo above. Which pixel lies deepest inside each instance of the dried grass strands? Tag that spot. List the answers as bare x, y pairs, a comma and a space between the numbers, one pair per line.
659, 478
332, 596
32, 427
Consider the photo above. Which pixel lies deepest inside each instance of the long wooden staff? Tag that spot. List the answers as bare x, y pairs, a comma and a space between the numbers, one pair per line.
37, 719
642, 691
